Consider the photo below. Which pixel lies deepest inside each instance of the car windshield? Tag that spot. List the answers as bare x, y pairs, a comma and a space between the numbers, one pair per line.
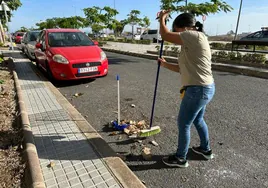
20, 34
33, 36
67, 39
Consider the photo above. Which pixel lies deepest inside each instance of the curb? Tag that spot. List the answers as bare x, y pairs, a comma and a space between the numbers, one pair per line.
115, 164
35, 176
244, 70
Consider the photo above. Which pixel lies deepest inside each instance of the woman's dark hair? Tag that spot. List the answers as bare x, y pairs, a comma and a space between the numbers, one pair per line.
187, 20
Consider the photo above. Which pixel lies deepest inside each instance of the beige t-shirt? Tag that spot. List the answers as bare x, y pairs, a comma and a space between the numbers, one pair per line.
195, 59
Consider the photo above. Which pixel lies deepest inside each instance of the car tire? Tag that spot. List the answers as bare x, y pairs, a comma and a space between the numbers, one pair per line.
49, 73
154, 40
37, 64
141, 38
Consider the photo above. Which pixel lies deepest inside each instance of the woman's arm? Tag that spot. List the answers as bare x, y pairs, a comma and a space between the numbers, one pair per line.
165, 33
170, 66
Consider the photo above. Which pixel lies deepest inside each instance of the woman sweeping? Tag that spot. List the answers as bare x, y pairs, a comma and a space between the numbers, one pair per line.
197, 81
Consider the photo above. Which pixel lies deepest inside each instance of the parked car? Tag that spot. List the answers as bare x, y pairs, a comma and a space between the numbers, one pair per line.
68, 54
135, 37
152, 35
257, 36
18, 37
28, 43
103, 35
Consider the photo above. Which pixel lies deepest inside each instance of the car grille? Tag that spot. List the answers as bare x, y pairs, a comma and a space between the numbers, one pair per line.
87, 74
91, 64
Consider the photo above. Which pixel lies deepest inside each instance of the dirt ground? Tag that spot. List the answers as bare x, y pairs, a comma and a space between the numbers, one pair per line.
11, 162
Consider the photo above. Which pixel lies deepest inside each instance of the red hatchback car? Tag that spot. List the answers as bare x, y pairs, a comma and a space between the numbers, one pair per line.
68, 54
18, 37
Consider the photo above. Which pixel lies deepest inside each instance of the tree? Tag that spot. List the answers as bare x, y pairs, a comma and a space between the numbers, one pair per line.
23, 29
133, 19
146, 22
212, 7
119, 27
100, 18
69, 22
13, 5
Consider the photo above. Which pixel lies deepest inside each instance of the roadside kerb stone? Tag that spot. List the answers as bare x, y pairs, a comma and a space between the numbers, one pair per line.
35, 176
245, 70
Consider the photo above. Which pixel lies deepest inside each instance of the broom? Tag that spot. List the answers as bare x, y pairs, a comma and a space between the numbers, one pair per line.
153, 130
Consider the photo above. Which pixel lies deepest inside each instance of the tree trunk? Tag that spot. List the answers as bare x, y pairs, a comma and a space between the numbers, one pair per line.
132, 32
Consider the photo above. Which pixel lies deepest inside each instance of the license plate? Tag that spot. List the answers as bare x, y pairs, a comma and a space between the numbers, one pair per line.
87, 69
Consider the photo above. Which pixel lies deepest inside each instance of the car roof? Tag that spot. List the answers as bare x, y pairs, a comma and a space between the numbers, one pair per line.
34, 31
62, 30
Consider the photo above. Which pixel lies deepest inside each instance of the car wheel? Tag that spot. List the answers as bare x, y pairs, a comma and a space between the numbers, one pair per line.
49, 73
154, 40
141, 38
37, 64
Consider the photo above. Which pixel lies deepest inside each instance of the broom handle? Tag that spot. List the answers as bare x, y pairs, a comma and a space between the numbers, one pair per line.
118, 98
156, 83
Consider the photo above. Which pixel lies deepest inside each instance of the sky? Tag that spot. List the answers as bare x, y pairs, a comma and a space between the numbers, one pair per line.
252, 17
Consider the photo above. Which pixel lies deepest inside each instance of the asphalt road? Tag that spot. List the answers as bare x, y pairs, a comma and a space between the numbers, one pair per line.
237, 119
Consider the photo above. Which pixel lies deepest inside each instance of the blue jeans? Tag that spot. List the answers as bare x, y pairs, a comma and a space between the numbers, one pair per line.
192, 110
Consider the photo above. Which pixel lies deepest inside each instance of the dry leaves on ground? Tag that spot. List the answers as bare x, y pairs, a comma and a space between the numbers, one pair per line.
11, 163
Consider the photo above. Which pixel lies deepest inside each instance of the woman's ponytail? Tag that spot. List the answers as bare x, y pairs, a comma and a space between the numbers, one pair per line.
199, 26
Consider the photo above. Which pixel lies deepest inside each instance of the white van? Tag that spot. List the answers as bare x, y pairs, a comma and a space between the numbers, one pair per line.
152, 35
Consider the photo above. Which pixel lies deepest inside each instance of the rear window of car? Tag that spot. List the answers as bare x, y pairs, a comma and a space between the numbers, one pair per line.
67, 39
265, 34
152, 31
33, 36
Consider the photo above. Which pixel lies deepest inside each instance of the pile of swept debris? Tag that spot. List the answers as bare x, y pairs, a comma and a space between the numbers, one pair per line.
131, 129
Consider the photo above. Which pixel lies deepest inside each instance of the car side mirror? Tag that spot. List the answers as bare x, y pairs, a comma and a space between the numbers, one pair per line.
96, 42
39, 45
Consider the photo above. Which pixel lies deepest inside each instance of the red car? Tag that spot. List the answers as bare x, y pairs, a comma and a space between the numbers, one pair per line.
18, 37
68, 54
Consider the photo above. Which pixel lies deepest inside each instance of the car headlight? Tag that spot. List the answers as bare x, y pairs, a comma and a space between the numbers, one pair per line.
103, 56
60, 59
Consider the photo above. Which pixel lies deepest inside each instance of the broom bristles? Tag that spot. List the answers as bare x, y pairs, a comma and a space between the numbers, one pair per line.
149, 132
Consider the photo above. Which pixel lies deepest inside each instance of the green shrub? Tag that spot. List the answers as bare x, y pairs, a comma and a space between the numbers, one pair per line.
110, 39
255, 58
228, 46
157, 48
217, 46
167, 43
143, 42
101, 43
222, 54
120, 40
175, 49
235, 56
166, 48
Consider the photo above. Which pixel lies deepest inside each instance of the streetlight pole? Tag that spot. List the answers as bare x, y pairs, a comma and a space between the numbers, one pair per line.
238, 19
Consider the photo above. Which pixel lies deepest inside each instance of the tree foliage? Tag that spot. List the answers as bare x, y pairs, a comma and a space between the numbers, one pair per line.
100, 18
23, 29
146, 22
13, 5
134, 17
206, 8
69, 22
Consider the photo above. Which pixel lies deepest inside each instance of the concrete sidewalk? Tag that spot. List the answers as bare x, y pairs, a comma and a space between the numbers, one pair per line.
59, 142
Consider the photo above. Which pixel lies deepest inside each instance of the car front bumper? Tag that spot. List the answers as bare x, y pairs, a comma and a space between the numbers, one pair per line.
70, 71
